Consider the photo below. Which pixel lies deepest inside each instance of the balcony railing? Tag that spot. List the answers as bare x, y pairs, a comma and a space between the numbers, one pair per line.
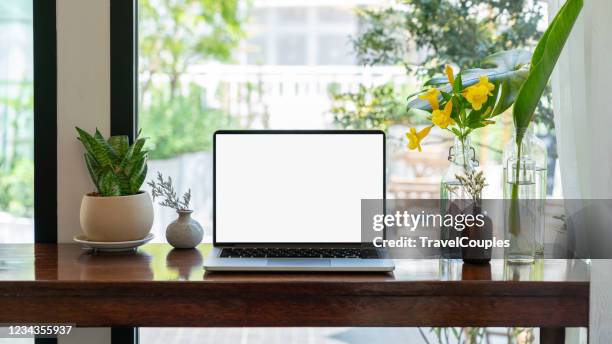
298, 92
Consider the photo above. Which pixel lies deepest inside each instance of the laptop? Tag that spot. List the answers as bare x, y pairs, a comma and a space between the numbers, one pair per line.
290, 200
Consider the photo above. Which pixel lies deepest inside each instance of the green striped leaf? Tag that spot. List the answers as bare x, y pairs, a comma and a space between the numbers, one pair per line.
137, 180
109, 151
543, 62
109, 186
94, 170
120, 144
87, 140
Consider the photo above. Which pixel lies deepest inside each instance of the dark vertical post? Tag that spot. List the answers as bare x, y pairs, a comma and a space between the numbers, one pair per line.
124, 96
45, 121
552, 335
124, 335
44, 36
124, 67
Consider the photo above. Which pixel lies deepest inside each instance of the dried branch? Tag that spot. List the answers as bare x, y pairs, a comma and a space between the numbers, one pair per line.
473, 183
164, 189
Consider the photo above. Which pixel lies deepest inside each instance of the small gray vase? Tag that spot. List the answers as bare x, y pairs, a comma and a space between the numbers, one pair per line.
184, 232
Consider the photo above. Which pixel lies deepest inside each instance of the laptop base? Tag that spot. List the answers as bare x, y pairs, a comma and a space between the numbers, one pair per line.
215, 262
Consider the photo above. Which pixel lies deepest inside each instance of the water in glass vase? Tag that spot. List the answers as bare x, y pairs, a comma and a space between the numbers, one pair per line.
532, 149
520, 210
541, 181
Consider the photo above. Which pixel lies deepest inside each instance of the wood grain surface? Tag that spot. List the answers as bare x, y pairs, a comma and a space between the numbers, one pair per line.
158, 286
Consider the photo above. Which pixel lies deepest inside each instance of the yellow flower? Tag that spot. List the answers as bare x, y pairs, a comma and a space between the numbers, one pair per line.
477, 94
443, 118
414, 137
432, 97
450, 75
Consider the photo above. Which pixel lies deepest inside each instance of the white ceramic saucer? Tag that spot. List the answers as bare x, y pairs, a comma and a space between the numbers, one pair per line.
116, 246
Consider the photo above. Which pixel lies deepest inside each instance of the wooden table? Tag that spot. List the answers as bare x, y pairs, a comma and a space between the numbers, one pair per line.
158, 287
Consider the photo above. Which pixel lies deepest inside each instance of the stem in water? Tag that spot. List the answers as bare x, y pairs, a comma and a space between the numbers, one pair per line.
515, 216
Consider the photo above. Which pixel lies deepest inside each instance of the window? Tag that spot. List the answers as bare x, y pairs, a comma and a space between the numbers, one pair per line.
16, 122
294, 64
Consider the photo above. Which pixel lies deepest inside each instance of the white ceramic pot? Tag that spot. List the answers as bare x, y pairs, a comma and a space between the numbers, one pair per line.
184, 232
116, 218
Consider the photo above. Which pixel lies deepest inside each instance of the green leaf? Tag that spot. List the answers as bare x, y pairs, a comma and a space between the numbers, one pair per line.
110, 152
457, 86
93, 168
137, 146
545, 57
87, 140
109, 185
497, 66
137, 180
124, 184
120, 144
95, 149
511, 82
543, 62
135, 167
508, 68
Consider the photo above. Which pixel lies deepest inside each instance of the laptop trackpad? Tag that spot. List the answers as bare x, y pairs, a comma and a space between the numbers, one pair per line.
300, 262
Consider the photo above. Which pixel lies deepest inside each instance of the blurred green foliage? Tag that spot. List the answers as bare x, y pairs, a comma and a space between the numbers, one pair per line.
17, 188
17, 148
371, 107
460, 32
174, 35
181, 123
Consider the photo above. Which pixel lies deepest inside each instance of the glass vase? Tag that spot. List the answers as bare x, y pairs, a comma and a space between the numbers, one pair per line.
454, 199
520, 211
534, 149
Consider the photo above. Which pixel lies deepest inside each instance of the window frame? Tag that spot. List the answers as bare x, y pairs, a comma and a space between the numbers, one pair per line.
124, 96
124, 67
45, 120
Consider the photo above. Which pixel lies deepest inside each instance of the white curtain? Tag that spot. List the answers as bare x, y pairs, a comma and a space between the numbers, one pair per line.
582, 88
582, 92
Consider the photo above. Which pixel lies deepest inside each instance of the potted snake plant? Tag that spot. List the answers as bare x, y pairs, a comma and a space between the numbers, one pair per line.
118, 210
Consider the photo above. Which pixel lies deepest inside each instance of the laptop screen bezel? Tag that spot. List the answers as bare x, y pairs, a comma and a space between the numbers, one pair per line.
293, 132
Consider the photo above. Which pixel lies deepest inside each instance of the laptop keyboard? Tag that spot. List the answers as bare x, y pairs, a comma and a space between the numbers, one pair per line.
299, 253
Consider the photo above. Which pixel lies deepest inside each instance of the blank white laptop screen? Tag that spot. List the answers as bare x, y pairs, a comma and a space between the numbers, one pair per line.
295, 188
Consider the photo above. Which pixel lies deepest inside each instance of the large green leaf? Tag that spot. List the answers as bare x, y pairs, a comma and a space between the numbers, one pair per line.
95, 149
515, 63
137, 180
120, 144
108, 149
543, 62
139, 144
94, 170
135, 167
133, 153
508, 68
87, 140
109, 185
